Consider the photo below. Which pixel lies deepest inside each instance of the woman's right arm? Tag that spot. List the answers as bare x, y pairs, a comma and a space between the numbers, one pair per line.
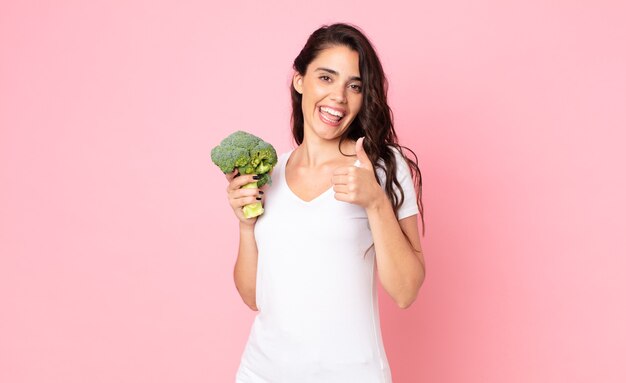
245, 268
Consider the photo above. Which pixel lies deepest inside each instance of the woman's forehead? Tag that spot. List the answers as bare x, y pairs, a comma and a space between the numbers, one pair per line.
339, 60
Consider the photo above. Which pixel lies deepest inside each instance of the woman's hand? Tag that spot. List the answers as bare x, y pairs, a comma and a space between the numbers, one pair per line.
358, 185
238, 197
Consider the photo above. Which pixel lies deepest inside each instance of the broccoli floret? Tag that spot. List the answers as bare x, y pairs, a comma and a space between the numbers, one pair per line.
250, 155
263, 157
229, 158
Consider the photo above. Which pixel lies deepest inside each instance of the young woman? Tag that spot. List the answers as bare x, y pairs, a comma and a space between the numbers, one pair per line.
342, 209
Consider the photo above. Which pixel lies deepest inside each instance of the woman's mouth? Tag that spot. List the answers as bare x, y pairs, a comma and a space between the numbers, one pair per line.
329, 116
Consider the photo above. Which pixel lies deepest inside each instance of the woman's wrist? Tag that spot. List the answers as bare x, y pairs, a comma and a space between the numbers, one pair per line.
381, 201
246, 227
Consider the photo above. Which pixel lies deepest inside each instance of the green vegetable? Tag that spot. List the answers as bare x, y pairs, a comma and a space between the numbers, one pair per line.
251, 155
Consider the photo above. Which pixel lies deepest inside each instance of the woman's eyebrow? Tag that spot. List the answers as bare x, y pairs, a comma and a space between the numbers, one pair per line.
332, 71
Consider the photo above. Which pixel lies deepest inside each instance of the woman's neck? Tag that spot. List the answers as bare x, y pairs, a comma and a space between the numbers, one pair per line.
318, 152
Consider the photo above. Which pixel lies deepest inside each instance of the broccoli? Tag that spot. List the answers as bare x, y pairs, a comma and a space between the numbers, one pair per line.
251, 155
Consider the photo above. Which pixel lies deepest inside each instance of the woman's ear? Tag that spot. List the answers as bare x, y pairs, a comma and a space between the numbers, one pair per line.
297, 82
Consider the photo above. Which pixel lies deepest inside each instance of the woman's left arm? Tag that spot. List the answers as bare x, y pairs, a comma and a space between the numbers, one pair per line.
399, 258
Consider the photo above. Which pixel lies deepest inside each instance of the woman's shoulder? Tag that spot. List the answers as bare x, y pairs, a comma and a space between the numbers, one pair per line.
283, 156
403, 176
399, 157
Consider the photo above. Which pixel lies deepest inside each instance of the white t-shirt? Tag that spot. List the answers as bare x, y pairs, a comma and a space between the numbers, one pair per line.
318, 318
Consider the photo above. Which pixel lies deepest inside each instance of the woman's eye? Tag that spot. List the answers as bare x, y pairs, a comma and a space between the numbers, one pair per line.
356, 87
324, 77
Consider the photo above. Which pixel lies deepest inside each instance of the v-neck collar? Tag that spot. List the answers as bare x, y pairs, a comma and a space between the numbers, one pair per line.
290, 191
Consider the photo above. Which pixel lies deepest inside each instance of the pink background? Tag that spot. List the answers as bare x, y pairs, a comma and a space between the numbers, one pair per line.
117, 243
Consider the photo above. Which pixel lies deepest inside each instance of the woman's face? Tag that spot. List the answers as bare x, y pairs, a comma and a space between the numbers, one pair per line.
331, 92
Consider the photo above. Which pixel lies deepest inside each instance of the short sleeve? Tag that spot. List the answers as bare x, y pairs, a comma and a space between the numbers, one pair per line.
403, 174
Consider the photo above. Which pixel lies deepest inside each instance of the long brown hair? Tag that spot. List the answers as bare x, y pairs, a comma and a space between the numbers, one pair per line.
375, 118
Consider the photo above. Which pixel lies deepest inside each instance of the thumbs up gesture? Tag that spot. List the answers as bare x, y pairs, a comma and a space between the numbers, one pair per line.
357, 184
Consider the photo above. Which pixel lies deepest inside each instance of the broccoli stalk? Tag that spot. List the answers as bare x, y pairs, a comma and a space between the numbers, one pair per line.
250, 155
253, 209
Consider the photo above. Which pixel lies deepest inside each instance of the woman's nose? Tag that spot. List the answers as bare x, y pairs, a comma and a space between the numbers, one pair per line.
339, 94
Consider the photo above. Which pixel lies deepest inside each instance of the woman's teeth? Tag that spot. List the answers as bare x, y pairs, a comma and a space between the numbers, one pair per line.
330, 115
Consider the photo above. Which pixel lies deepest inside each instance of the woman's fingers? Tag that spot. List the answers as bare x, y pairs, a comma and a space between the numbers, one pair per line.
243, 193
239, 197
342, 179
341, 188
241, 202
244, 196
231, 175
238, 182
